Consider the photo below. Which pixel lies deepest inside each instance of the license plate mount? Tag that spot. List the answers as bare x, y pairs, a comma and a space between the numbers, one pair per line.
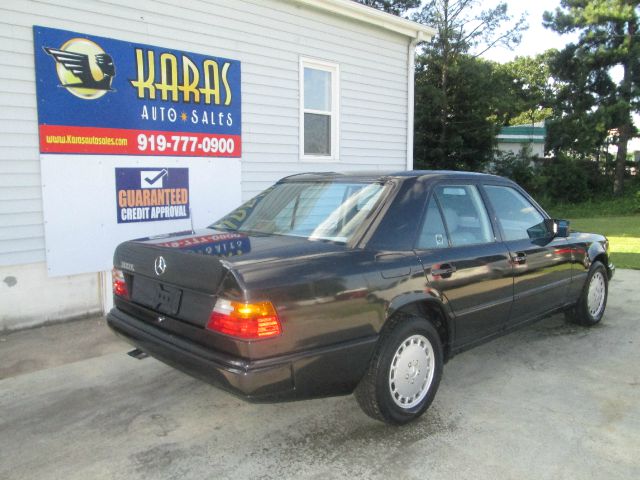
158, 296
167, 299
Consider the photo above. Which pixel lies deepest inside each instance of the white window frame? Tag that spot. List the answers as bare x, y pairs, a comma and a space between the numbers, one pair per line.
334, 70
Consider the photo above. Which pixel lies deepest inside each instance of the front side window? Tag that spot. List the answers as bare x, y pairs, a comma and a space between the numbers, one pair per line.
314, 210
318, 109
518, 218
465, 215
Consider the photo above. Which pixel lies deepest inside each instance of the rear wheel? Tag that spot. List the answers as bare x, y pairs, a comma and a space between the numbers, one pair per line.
404, 373
590, 306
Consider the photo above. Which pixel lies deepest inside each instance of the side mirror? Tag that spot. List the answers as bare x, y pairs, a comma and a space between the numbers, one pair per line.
557, 228
563, 229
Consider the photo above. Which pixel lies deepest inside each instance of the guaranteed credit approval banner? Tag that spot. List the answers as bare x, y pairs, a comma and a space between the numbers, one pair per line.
150, 194
102, 96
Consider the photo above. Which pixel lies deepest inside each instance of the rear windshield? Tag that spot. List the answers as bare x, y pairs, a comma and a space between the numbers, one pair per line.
314, 210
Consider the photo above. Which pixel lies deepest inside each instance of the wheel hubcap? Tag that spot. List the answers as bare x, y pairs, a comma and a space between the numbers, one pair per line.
596, 294
411, 371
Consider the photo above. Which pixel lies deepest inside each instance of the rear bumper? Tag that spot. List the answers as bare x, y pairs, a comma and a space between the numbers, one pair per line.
319, 372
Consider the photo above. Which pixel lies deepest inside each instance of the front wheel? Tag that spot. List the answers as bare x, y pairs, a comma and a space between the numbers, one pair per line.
590, 307
404, 373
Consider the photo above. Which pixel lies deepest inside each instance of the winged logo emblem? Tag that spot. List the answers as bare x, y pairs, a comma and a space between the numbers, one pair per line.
83, 68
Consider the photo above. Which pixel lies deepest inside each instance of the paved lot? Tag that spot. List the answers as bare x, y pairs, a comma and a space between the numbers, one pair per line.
552, 401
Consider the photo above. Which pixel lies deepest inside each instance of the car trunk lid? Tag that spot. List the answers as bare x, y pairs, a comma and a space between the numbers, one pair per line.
181, 274
168, 276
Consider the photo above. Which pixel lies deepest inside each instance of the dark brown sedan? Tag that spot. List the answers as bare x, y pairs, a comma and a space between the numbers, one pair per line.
327, 283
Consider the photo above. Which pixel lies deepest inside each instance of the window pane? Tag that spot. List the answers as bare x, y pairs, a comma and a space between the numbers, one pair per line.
433, 234
465, 215
518, 218
314, 210
317, 134
317, 89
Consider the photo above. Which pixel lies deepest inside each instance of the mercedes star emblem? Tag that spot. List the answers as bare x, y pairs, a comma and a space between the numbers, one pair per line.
160, 265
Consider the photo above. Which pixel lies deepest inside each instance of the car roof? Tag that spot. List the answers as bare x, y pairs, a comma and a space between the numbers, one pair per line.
372, 176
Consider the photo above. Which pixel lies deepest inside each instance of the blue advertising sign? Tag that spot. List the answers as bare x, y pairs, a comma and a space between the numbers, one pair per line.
151, 194
98, 95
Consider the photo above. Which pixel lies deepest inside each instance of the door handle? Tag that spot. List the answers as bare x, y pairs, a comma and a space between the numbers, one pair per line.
519, 258
444, 270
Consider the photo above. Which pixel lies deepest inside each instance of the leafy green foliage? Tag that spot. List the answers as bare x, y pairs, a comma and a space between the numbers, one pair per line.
518, 167
564, 180
471, 102
529, 89
458, 102
589, 103
559, 180
462, 101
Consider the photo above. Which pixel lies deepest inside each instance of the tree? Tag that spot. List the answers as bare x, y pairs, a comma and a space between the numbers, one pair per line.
577, 127
460, 30
460, 100
474, 103
530, 89
608, 38
395, 7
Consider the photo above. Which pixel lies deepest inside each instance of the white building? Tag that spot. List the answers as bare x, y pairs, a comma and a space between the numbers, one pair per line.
345, 68
517, 137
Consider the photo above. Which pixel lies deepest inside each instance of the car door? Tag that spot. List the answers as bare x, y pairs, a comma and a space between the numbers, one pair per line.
541, 263
464, 261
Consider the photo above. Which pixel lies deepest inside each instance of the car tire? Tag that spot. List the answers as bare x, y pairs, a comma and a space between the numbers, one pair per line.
590, 307
404, 373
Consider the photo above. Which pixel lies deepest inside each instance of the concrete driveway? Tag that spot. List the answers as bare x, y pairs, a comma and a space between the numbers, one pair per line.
552, 401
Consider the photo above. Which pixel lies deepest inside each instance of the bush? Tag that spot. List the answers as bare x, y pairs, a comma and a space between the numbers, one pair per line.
565, 180
518, 168
552, 180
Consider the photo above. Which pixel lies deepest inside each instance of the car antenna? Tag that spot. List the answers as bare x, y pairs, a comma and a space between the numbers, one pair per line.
191, 218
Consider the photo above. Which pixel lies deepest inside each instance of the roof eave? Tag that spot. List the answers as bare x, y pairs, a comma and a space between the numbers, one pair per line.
357, 11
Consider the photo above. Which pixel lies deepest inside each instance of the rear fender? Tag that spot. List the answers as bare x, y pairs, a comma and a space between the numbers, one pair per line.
419, 303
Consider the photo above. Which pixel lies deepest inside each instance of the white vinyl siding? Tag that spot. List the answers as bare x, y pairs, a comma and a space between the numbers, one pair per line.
268, 36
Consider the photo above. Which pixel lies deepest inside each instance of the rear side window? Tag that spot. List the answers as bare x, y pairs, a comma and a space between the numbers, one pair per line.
518, 218
433, 233
465, 215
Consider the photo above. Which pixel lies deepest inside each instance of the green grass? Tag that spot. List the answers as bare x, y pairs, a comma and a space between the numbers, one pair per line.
616, 217
597, 207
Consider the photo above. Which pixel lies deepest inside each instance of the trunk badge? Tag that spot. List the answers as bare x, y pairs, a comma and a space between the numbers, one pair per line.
160, 265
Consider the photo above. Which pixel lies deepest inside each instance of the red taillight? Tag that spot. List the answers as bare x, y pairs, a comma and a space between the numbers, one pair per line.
119, 285
245, 320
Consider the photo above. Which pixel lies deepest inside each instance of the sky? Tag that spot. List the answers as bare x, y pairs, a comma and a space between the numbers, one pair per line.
536, 39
